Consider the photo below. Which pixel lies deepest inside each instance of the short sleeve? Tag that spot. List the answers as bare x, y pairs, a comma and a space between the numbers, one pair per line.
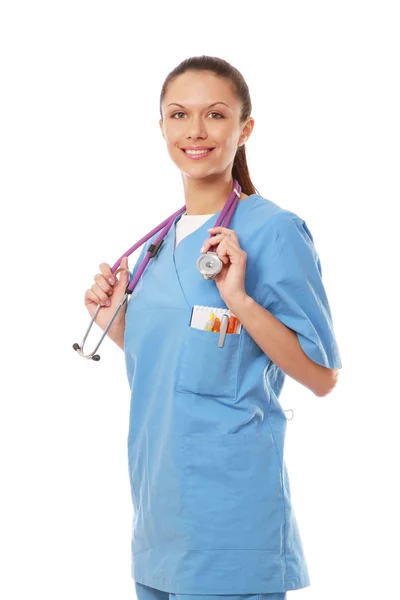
292, 290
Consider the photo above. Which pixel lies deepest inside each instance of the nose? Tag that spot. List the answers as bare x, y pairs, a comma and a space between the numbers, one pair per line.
196, 128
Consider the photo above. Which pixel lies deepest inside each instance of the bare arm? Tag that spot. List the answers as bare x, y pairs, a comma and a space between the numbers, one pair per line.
283, 347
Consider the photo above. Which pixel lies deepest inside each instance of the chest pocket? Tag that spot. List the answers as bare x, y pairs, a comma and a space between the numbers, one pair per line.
206, 369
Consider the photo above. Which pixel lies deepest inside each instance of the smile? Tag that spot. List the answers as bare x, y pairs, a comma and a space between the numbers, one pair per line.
197, 154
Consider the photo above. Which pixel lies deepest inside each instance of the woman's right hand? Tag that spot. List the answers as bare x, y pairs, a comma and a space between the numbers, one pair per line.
102, 291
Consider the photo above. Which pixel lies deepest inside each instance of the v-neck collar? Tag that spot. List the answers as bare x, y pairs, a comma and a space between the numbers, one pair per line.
206, 225
178, 256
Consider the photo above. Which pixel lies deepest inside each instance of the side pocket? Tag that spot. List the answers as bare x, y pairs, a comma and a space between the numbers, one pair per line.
233, 498
206, 369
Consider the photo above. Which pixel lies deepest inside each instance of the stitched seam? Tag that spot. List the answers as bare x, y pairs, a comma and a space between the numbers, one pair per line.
284, 503
282, 232
239, 354
275, 257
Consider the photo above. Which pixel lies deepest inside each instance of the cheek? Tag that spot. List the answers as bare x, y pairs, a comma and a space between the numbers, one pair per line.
226, 139
171, 133
220, 133
170, 138
232, 139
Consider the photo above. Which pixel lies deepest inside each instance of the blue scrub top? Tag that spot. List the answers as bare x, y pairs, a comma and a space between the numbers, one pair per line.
210, 489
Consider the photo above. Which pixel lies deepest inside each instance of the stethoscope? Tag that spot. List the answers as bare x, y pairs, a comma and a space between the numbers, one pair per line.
209, 264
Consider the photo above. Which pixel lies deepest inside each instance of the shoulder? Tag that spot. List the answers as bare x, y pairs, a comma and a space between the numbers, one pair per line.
269, 222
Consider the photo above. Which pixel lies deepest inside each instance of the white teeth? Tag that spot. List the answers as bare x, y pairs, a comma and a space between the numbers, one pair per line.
197, 151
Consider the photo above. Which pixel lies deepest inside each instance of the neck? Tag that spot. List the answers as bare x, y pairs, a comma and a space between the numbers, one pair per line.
203, 197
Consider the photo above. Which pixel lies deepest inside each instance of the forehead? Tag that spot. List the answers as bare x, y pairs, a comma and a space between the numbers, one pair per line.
192, 89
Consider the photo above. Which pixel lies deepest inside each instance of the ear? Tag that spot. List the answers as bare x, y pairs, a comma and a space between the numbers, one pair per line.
246, 132
161, 127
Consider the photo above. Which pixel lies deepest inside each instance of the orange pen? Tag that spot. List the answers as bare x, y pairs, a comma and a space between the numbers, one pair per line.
217, 324
232, 324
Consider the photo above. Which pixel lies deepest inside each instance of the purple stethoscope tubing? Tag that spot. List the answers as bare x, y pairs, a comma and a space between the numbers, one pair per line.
224, 218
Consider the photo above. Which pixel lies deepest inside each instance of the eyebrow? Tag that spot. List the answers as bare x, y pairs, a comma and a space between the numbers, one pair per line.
213, 104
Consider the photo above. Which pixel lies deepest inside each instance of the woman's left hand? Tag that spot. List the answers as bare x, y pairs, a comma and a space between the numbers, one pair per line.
230, 281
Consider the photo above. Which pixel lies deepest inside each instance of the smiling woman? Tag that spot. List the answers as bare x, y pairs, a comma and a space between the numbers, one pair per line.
210, 128
210, 488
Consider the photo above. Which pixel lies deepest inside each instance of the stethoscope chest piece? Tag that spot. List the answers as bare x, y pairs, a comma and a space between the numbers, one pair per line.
209, 265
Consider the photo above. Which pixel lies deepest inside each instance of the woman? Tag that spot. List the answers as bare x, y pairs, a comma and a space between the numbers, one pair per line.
210, 489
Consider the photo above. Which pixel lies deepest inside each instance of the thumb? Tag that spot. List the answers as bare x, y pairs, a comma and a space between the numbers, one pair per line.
124, 262
123, 269
125, 273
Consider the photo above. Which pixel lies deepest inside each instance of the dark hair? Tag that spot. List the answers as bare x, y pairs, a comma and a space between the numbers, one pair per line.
220, 67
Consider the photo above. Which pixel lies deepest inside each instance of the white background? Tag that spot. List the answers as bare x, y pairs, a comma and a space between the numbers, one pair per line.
85, 173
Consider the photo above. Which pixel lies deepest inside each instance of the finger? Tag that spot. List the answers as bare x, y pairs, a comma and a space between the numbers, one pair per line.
221, 230
124, 270
96, 289
222, 252
231, 233
217, 239
92, 297
103, 284
108, 275
227, 248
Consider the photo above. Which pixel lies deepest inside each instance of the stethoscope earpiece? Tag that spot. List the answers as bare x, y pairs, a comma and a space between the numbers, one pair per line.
291, 409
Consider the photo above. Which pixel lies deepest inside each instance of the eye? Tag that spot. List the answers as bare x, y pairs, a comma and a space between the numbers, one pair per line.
213, 113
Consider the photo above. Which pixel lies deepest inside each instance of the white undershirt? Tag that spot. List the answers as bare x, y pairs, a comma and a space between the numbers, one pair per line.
187, 224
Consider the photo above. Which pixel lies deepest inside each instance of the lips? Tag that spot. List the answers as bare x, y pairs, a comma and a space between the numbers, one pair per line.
197, 155
196, 150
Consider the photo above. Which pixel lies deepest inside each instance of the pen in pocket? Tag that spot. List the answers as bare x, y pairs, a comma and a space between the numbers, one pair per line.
224, 325
232, 324
217, 325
